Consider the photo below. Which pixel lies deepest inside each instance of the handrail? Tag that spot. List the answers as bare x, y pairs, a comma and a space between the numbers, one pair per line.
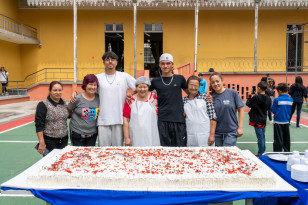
186, 69
46, 75
15, 26
17, 21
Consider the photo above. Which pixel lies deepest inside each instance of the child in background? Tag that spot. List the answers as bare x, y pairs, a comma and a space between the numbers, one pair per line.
259, 105
281, 109
271, 94
203, 84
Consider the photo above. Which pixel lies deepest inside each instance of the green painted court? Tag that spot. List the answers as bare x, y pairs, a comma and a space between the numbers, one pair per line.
17, 152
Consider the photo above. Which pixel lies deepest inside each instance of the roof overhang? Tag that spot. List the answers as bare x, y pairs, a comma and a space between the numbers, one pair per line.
177, 4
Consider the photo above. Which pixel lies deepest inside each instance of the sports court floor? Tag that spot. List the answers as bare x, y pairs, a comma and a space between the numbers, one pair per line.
18, 138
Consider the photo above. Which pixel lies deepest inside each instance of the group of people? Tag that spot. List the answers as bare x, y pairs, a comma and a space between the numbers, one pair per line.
153, 115
283, 108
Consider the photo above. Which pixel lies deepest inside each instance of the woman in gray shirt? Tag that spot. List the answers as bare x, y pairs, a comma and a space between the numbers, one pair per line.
227, 103
85, 111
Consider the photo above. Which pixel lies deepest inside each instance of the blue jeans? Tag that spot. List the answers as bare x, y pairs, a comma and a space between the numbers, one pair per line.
77, 140
260, 132
226, 139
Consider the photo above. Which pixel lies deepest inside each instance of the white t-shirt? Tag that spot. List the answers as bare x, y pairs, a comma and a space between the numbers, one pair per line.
3, 76
112, 94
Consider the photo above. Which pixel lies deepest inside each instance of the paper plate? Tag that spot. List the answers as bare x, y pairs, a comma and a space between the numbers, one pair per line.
299, 178
278, 157
300, 168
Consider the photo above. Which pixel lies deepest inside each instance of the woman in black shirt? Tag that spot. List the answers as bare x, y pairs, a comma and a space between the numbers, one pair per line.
297, 92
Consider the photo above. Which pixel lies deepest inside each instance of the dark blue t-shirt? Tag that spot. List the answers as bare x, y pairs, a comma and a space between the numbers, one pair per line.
170, 102
226, 105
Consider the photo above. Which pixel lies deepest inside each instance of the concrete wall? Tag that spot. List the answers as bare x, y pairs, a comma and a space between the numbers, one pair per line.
10, 55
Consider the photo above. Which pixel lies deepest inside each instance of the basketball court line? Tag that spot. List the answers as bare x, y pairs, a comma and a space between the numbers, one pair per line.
265, 142
15, 127
19, 141
27, 120
237, 142
16, 124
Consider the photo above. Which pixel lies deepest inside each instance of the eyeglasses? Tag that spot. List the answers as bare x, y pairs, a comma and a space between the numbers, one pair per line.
110, 60
193, 86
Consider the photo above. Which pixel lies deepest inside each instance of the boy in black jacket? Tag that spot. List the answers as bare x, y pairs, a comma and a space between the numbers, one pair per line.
259, 105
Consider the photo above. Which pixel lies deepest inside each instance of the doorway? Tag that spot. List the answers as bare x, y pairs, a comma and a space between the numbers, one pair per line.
114, 41
153, 47
294, 48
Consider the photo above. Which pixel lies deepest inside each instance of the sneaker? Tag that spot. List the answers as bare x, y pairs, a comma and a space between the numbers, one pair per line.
299, 127
271, 122
6, 93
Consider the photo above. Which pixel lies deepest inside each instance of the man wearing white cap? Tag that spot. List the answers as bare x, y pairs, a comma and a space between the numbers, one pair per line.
171, 121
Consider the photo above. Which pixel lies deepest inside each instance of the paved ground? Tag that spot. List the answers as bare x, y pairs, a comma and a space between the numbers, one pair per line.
17, 145
304, 112
15, 111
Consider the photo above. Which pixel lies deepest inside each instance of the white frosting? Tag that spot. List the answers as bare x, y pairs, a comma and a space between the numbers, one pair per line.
153, 168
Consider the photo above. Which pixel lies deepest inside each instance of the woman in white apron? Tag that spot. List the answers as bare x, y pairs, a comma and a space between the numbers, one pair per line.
200, 116
140, 117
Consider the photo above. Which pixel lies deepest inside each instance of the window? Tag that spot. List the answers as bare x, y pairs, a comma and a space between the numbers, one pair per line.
114, 28
154, 27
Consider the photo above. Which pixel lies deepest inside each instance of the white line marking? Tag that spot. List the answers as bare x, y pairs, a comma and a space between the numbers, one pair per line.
237, 142
299, 124
20, 141
269, 142
15, 127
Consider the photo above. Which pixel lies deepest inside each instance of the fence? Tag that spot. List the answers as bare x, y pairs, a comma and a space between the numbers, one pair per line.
47, 75
243, 64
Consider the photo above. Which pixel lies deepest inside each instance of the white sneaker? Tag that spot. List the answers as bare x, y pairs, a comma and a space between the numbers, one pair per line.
6, 93
271, 122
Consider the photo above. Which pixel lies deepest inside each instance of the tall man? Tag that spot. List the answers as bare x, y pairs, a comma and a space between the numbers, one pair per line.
112, 89
171, 121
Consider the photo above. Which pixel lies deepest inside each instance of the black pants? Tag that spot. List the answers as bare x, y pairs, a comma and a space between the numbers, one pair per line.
172, 134
55, 143
269, 113
281, 138
4, 90
77, 140
298, 105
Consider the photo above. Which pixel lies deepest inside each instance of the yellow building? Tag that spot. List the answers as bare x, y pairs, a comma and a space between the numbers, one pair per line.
225, 42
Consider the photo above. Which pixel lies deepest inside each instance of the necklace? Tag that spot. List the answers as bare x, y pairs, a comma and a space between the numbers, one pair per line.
110, 83
166, 83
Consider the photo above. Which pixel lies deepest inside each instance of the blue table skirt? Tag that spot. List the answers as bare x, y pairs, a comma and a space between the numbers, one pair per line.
281, 169
109, 197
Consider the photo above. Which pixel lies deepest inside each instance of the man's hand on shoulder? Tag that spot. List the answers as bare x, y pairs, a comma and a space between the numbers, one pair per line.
73, 97
209, 98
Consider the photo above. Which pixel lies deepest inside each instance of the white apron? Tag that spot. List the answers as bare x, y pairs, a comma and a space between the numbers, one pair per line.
197, 123
143, 128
